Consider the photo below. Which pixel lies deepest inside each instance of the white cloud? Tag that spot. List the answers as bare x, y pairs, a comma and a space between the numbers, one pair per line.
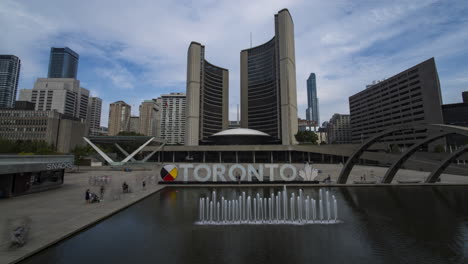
139, 47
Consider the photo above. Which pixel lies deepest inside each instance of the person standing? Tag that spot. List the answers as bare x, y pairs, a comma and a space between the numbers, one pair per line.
87, 196
102, 192
144, 185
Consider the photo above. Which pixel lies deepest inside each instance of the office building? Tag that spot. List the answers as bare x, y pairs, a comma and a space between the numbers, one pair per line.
312, 111
148, 118
134, 124
409, 97
119, 117
339, 129
456, 115
268, 84
172, 118
24, 105
63, 63
62, 94
62, 131
94, 115
9, 76
207, 97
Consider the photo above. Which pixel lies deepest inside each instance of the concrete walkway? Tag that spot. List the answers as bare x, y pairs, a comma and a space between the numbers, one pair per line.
58, 213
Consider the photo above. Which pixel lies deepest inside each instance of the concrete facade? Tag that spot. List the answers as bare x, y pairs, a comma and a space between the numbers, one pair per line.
94, 115
410, 97
148, 118
134, 124
62, 131
171, 118
119, 117
207, 97
339, 129
10, 66
62, 94
71, 133
268, 84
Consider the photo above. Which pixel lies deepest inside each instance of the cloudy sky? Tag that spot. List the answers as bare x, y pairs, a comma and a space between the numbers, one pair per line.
136, 50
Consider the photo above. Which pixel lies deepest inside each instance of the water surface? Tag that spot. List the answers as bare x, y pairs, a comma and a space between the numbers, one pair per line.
394, 224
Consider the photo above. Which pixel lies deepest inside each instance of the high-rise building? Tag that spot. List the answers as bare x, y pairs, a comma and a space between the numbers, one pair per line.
94, 115
134, 124
9, 76
268, 84
62, 94
339, 129
148, 118
207, 97
63, 63
172, 118
409, 97
312, 111
119, 117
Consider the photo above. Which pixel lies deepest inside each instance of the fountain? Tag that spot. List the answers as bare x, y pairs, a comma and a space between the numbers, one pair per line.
247, 210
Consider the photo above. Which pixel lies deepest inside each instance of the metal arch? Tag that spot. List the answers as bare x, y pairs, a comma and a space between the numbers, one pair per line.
390, 174
344, 174
432, 178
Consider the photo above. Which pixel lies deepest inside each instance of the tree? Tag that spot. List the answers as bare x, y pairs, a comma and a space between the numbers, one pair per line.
307, 137
81, 152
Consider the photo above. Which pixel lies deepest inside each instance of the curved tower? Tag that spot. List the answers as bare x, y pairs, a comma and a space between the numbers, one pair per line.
268, 84
207, 97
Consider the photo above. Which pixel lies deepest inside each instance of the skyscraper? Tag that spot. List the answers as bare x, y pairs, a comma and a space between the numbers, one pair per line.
9, 75
62, 94
148, 118
172, 118
63, 63
207, 97
312, 111
268, 84
94, 115
119, 117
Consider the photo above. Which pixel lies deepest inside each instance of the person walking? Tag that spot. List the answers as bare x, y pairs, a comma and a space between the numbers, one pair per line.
102, 192
144, 185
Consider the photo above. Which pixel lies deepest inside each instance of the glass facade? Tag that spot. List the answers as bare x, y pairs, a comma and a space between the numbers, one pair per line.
211, 100
9, 76
263, 89
63, 63
312, 111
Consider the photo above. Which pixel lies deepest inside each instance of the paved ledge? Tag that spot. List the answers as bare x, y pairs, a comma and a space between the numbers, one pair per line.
59, 213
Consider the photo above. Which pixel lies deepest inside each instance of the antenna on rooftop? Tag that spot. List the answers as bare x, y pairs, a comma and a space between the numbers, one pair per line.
250, 39
237, 113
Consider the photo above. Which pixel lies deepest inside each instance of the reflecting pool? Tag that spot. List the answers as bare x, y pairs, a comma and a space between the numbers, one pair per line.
394, 224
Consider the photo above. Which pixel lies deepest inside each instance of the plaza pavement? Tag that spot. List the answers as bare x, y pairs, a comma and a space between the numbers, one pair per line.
58, 213
61, 212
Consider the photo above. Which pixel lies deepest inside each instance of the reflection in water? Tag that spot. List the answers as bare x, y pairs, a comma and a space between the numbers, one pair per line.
396, 224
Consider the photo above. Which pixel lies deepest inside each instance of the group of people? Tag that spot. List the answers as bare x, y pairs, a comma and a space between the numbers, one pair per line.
92, 197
